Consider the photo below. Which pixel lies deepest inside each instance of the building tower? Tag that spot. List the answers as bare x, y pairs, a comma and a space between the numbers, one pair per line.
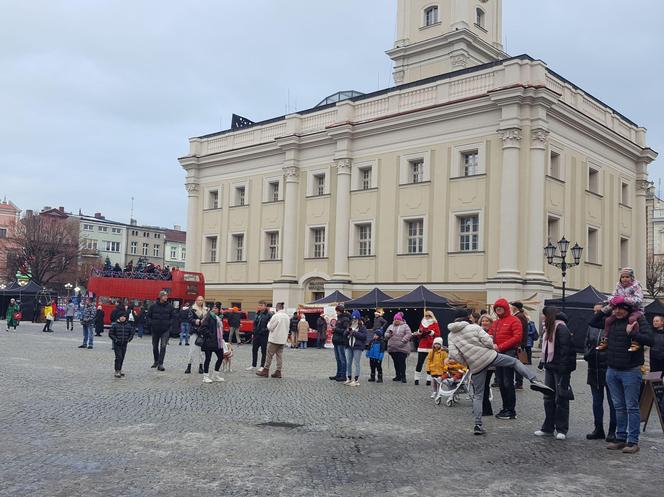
437, 37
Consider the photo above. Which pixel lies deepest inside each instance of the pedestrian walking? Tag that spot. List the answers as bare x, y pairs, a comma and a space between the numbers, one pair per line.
398, 336
121, 333
13, 315
195, 317
469, 344
161, 318
321, 328
486, 323
184, 324
49, 318
376, 353
259, 335
99, 320
211, 337
234, 318
294, 321
355, 343
596, 380
558, 362
519, 312
340, 327
140, 320
70, 312
302, 332
88, 323
278, 326
623, 374
425, 335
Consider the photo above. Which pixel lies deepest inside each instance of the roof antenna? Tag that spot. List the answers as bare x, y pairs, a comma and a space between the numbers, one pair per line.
131, 216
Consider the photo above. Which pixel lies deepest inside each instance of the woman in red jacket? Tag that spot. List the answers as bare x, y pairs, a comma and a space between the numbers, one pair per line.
427, 332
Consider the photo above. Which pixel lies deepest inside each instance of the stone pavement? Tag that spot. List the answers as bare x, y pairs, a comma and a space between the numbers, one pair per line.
69, 428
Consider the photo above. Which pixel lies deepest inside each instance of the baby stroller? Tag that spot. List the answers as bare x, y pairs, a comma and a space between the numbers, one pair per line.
452, 390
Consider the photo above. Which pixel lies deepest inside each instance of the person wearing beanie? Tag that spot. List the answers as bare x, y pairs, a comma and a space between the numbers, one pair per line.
338, 341
436, 364
121, 333
377, 347
427, 332
355, 342
398, 336
469, 344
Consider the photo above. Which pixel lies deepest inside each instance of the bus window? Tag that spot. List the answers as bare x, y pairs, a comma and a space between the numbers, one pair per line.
191, 277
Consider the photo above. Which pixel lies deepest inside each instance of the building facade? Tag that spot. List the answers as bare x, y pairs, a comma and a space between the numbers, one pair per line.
102, 238
175, 247
146, 242
456, 178
9, 216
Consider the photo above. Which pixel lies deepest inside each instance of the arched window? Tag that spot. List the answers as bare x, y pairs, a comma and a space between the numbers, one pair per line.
431, 16
480, 18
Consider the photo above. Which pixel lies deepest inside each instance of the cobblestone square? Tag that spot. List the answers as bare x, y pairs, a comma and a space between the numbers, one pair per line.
69, 428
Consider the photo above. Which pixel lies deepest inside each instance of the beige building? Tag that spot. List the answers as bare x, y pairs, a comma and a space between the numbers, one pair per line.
456, 178
145, 242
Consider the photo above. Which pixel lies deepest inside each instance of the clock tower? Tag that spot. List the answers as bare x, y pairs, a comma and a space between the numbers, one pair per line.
437, 37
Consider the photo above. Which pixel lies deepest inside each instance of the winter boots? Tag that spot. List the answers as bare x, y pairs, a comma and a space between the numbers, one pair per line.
188, 370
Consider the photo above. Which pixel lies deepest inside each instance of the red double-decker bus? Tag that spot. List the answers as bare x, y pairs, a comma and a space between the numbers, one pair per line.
142, 289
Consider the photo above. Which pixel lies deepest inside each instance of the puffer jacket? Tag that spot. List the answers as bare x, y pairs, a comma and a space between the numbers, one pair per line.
343, 323
508, 331
89, 314
356, 339
471, 345
564, 355
596, 359
379, 323
121, 332
260, 324
657, 351
208, 330
161, 317
192, 317
436, 362
398, 338
617, 354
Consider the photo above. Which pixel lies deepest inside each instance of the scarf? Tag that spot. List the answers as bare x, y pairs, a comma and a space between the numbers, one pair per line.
427, 322
550, 345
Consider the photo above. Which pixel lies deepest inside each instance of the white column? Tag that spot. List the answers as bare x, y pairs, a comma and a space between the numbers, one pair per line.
194, 242
638, 252
508, 255
536, 229
342, 219
289, 231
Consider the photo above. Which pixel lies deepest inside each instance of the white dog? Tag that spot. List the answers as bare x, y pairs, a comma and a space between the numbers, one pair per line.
228, 355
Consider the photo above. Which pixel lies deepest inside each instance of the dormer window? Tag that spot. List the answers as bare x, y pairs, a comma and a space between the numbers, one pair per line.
480, 18
431, 16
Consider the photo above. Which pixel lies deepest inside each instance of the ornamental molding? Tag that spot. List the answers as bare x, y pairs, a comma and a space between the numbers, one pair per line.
539, 138
291, 173
511, 137
642, 185
460, 61
192, 188
344, 166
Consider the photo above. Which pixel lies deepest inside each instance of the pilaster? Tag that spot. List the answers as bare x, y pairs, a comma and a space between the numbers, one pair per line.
193, 244
342, 223
539, 139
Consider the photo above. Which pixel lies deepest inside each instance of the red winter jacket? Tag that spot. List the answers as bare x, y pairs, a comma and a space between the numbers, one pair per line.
507, 330
428, 334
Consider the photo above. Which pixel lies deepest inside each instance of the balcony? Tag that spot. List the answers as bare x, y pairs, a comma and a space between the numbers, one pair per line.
86, 252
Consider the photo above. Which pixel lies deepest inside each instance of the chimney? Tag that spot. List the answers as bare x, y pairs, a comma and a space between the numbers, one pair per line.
133, 222
61, 209
177, 227
29, 213
98, 215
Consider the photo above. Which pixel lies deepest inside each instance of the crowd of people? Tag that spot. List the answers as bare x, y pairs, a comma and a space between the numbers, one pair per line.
142, 270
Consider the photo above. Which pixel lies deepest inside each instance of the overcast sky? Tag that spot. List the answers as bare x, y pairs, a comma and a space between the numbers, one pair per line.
99, 97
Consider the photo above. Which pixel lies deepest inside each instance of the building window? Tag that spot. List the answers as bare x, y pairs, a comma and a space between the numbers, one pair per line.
431, 16
146, 234
240, 195
470, 163
134, 233
593, 180
365, 178
273, 191
112, 246
155, 250
592, 251
272, 245
117, 231
157, 235
624, 252
469, 233
174, 253
363, 237
480, 18
238, 247
133, 248
319, 184
88, 227
211, 248
318, 243
555, 170
415, 236
146, 248
416, 171
89, 244
103, 229
183, 253
213, 199
3, 232
553, 229
624, 194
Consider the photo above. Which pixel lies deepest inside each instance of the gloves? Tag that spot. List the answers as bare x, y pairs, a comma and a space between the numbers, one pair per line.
617, 300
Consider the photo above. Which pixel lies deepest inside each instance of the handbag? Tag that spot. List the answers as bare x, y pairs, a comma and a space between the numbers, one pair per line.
522, 355
564, 392
18, 316
200, 340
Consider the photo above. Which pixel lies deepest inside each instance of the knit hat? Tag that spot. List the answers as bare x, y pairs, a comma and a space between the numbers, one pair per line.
398, 316
461, 313
356, 315
627, 271
517, 304
438, 341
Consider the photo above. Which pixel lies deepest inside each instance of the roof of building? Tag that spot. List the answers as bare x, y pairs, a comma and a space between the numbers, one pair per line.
176, 236
339, 96
8, 205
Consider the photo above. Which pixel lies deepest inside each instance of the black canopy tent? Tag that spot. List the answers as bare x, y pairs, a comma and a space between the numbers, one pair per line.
654, 309
30, 296
579, 310
335, 297
372, 300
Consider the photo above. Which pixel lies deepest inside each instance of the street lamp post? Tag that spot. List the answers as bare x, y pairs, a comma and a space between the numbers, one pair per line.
559, 260
68, 286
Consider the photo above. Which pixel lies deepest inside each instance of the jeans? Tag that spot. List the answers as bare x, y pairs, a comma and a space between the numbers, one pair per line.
184, 333
340, 356
303, 345
556, 410
277, 350
399, 359
208, 357
624, 387
120, 350
353, 357
140, 329
598, 409
47, 325
320, 341
376, 365
480, 384
69, 322
259, 342
88, 333
159, 343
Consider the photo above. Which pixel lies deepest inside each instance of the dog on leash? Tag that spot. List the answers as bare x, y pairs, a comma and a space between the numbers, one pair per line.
226, 363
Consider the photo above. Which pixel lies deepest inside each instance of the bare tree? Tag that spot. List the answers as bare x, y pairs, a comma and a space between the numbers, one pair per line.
654, 276
48, 245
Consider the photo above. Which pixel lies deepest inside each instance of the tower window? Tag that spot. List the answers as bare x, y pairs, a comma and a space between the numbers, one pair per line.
480, 19
431, 16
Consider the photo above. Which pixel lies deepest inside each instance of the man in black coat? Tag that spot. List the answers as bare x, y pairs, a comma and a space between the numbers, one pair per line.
161, 318
597, 366
259, 335
338, 340
624, 375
